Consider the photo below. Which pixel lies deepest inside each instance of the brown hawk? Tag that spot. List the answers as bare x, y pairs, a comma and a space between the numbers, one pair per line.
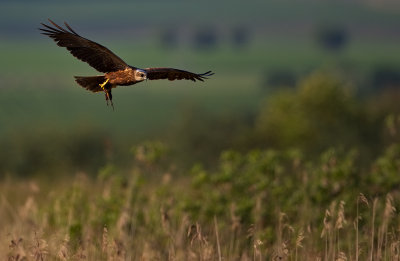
116, 71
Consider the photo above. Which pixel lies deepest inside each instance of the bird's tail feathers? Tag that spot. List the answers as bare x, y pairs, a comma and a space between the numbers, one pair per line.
91, 83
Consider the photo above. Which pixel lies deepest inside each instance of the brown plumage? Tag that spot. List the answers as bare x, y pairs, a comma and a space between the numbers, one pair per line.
116, 71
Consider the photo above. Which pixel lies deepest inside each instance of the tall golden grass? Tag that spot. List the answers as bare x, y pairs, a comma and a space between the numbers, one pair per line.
77, 221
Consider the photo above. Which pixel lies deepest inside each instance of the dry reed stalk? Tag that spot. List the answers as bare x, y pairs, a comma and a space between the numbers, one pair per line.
235, 230
250, 235
180, 236
39, 249
17, 250
123, 223
196, 238
104, 242
217, 238
364, 200
374, 204
257, 251
118, 250
332, 228
63, 252
281, 250
326, 231
340, 222
383, 229
280, 227
167, 228
299, 239
341, 256
356, 225
165, 221
28, 210
395, 250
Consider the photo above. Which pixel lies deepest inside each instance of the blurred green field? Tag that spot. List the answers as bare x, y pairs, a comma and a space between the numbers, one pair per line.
51, 96
37, 76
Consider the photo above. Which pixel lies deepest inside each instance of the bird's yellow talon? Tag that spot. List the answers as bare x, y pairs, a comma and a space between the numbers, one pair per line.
103, 84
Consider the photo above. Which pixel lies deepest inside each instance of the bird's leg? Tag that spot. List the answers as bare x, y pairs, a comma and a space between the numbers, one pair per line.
109, 97
106, 97
104, 84
107, 93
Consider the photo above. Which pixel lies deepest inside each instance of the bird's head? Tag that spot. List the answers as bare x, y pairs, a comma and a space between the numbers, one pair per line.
140, 75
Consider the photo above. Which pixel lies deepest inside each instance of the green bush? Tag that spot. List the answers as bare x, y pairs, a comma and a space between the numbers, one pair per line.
321, 113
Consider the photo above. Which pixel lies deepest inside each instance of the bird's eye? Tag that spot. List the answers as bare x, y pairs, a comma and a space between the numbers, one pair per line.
142, 75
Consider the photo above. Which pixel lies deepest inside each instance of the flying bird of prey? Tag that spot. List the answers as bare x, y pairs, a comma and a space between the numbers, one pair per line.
116, 71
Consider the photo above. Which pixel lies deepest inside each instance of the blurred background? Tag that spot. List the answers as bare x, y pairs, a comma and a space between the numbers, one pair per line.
303, 74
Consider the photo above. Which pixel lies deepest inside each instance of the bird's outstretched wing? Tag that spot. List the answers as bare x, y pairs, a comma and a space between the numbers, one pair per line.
96, 55
175, 74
